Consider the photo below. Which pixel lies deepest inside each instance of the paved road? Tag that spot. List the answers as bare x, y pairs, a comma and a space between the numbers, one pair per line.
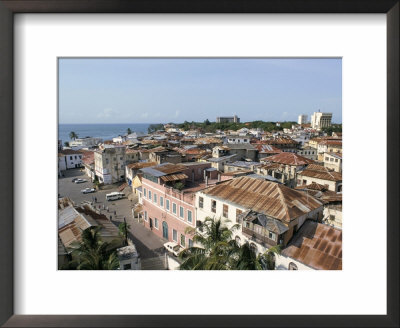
147, 244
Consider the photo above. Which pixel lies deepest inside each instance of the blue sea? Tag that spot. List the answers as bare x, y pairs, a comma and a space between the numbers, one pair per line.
103, 131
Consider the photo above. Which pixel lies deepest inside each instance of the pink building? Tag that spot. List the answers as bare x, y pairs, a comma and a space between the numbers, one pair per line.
168, 198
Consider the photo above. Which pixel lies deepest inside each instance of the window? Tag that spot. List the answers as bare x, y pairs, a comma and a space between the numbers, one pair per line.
292, 266
145, 216
332, 217
144, 192
213, 206
238, 212
127, 266
189, 216
225, 211
304, 182
167, 204
120, 158
327, 159
80, 157
156, 223
75, 157
150, 194
106, 160
201, 202
155, 198
70, 158
272, 235
183, 240
161, 201
331, 159
174, 235
181, 212
174, 208
190, 242
336, 160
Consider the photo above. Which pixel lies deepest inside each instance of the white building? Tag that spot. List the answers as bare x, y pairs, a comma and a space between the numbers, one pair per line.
302, 119
109, 164
128, 258
321, 120
69, 159
233, 139
87, 142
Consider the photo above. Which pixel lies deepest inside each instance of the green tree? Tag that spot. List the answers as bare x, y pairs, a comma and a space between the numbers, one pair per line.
215, 239
128, 131
93, 253
244, 258
73, 135
66, 144
123, 228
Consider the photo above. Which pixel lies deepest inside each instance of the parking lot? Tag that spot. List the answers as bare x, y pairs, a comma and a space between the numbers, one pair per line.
148, 245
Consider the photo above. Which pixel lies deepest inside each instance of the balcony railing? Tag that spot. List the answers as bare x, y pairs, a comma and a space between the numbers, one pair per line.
261, 239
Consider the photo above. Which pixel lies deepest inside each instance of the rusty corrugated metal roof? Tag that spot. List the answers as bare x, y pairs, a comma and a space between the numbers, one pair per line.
323, 174
289, 159
317, 245
272, 199
140, 165
174, 177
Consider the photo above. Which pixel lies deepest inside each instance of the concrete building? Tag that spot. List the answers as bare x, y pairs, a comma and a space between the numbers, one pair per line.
167, 197
69, 159
109, 164
86, 142
321, 120
228, 119
308, 152
128, 258
275, 202
302, 119
321, 175
237, 139
333, 161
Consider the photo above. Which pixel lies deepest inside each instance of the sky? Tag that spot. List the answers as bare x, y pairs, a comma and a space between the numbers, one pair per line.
161, 90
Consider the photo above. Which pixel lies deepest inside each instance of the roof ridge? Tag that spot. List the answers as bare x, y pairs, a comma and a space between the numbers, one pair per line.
282, 198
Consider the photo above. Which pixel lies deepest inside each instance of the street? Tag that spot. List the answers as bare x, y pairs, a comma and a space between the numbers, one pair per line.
147, 244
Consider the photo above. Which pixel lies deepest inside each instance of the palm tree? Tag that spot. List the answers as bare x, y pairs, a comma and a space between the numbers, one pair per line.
128, 131
73, 135
123, 231
215, 239
94, 254
244, 258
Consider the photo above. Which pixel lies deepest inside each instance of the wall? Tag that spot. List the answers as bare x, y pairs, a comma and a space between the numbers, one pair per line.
282, 263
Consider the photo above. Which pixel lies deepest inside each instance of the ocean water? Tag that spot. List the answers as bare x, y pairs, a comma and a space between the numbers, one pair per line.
104, 131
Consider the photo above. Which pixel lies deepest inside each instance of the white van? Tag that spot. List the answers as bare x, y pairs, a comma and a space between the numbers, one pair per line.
115, 195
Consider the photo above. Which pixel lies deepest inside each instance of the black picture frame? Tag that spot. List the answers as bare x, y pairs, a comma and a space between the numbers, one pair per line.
7, 10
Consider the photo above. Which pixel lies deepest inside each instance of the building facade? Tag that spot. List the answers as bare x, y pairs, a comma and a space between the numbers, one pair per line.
302, 119
109, 164
321, 120
228, 119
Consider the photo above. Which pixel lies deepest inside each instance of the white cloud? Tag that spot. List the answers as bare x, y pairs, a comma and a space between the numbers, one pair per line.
107, 113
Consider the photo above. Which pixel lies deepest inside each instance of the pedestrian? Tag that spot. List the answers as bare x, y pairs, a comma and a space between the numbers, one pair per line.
110, 217
95, 199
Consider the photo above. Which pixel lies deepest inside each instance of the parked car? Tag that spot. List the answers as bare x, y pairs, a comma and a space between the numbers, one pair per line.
174, 248
80, 180
87, 190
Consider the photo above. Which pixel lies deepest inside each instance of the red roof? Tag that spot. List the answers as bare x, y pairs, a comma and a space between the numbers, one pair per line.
289, 159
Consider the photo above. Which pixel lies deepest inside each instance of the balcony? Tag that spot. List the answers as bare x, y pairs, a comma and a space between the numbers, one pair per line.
258, 238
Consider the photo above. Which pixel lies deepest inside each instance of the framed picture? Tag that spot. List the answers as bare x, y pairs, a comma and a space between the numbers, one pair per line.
33, 48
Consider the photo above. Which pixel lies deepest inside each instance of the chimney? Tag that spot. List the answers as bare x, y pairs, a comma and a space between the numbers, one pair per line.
206, 181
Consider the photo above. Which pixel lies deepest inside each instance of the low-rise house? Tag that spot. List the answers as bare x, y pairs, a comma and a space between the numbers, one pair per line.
308, 152
238, 139
286, 144
289, 164
228, 200
128, 258
333, 161
69, 159
329, 146
164, 155
321, 175
109, 164
241, 165
88, 164
265, 150
316, 246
